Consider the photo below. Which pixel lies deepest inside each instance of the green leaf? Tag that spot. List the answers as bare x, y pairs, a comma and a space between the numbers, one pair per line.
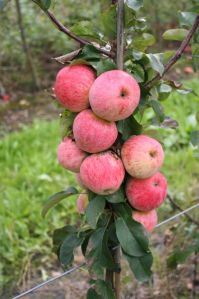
43, 4
127, 239
61, 233
134, 4
175, 34
66, 122
138, 72
101, 252
94, 209
56, 198
187, 18
136, 229
92, 294
164, 91
104, 289
89, 52
116, 197
156, 63
140, 266
104, 66
85, 29
158, 109
142, 42
66, 255
108, 21
195, 138
129, 127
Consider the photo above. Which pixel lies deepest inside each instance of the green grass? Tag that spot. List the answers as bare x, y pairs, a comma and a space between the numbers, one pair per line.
30, 173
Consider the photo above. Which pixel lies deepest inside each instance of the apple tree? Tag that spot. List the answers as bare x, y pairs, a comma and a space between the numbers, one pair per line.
108, 230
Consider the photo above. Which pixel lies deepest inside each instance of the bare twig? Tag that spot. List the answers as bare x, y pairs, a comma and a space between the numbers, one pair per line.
67, 57
82, 41
178, 53
180, 209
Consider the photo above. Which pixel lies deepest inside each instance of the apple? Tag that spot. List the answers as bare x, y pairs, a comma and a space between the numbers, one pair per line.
114, 95
148, 219
82, 202
70, 156
142, 156
72, 86
146, 194
102, 173
93, 134
79, 181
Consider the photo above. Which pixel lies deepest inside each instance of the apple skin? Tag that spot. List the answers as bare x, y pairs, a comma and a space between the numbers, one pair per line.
114, 95
69, 155
102, 173
148, 219
142, 156
79, 181
93, 134
82, 202
146, 194
72, 86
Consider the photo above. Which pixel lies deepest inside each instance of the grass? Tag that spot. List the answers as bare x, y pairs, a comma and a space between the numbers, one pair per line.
30, 173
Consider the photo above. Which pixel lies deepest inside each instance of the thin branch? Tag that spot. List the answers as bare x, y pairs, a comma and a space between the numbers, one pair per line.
178, 53
67, 57
180, 209
82, 41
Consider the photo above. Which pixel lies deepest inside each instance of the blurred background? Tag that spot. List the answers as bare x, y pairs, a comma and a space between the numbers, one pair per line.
29, 172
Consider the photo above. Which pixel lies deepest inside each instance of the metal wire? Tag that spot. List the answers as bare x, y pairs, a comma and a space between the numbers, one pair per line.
82, 265
48, 281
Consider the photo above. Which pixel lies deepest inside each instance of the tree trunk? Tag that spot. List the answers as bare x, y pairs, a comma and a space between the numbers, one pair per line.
25, 46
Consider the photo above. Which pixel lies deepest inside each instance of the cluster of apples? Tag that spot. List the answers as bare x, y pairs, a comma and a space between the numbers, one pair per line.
99, 103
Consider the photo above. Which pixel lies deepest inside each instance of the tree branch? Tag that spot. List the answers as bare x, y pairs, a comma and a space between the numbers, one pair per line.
82, 41
178, 53
180, 209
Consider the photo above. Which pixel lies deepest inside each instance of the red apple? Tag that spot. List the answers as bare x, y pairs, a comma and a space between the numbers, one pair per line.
148, 219
79, 181
69, 155
72, 86
142, 156
82, 202
93, 134
146, 194
114, 95
102, 173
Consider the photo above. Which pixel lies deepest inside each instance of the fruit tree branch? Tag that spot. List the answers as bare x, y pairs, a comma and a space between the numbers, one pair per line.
82, 41
178, 53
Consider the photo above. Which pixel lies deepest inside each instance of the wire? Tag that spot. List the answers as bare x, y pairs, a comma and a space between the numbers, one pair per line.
82, 265
48, 281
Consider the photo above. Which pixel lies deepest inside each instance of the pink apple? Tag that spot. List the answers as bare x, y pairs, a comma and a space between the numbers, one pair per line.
69, 155
146, 194
102, 173
79, 181
72, 86
93, 134
82, 202
148, 219
114, 95
142, 156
